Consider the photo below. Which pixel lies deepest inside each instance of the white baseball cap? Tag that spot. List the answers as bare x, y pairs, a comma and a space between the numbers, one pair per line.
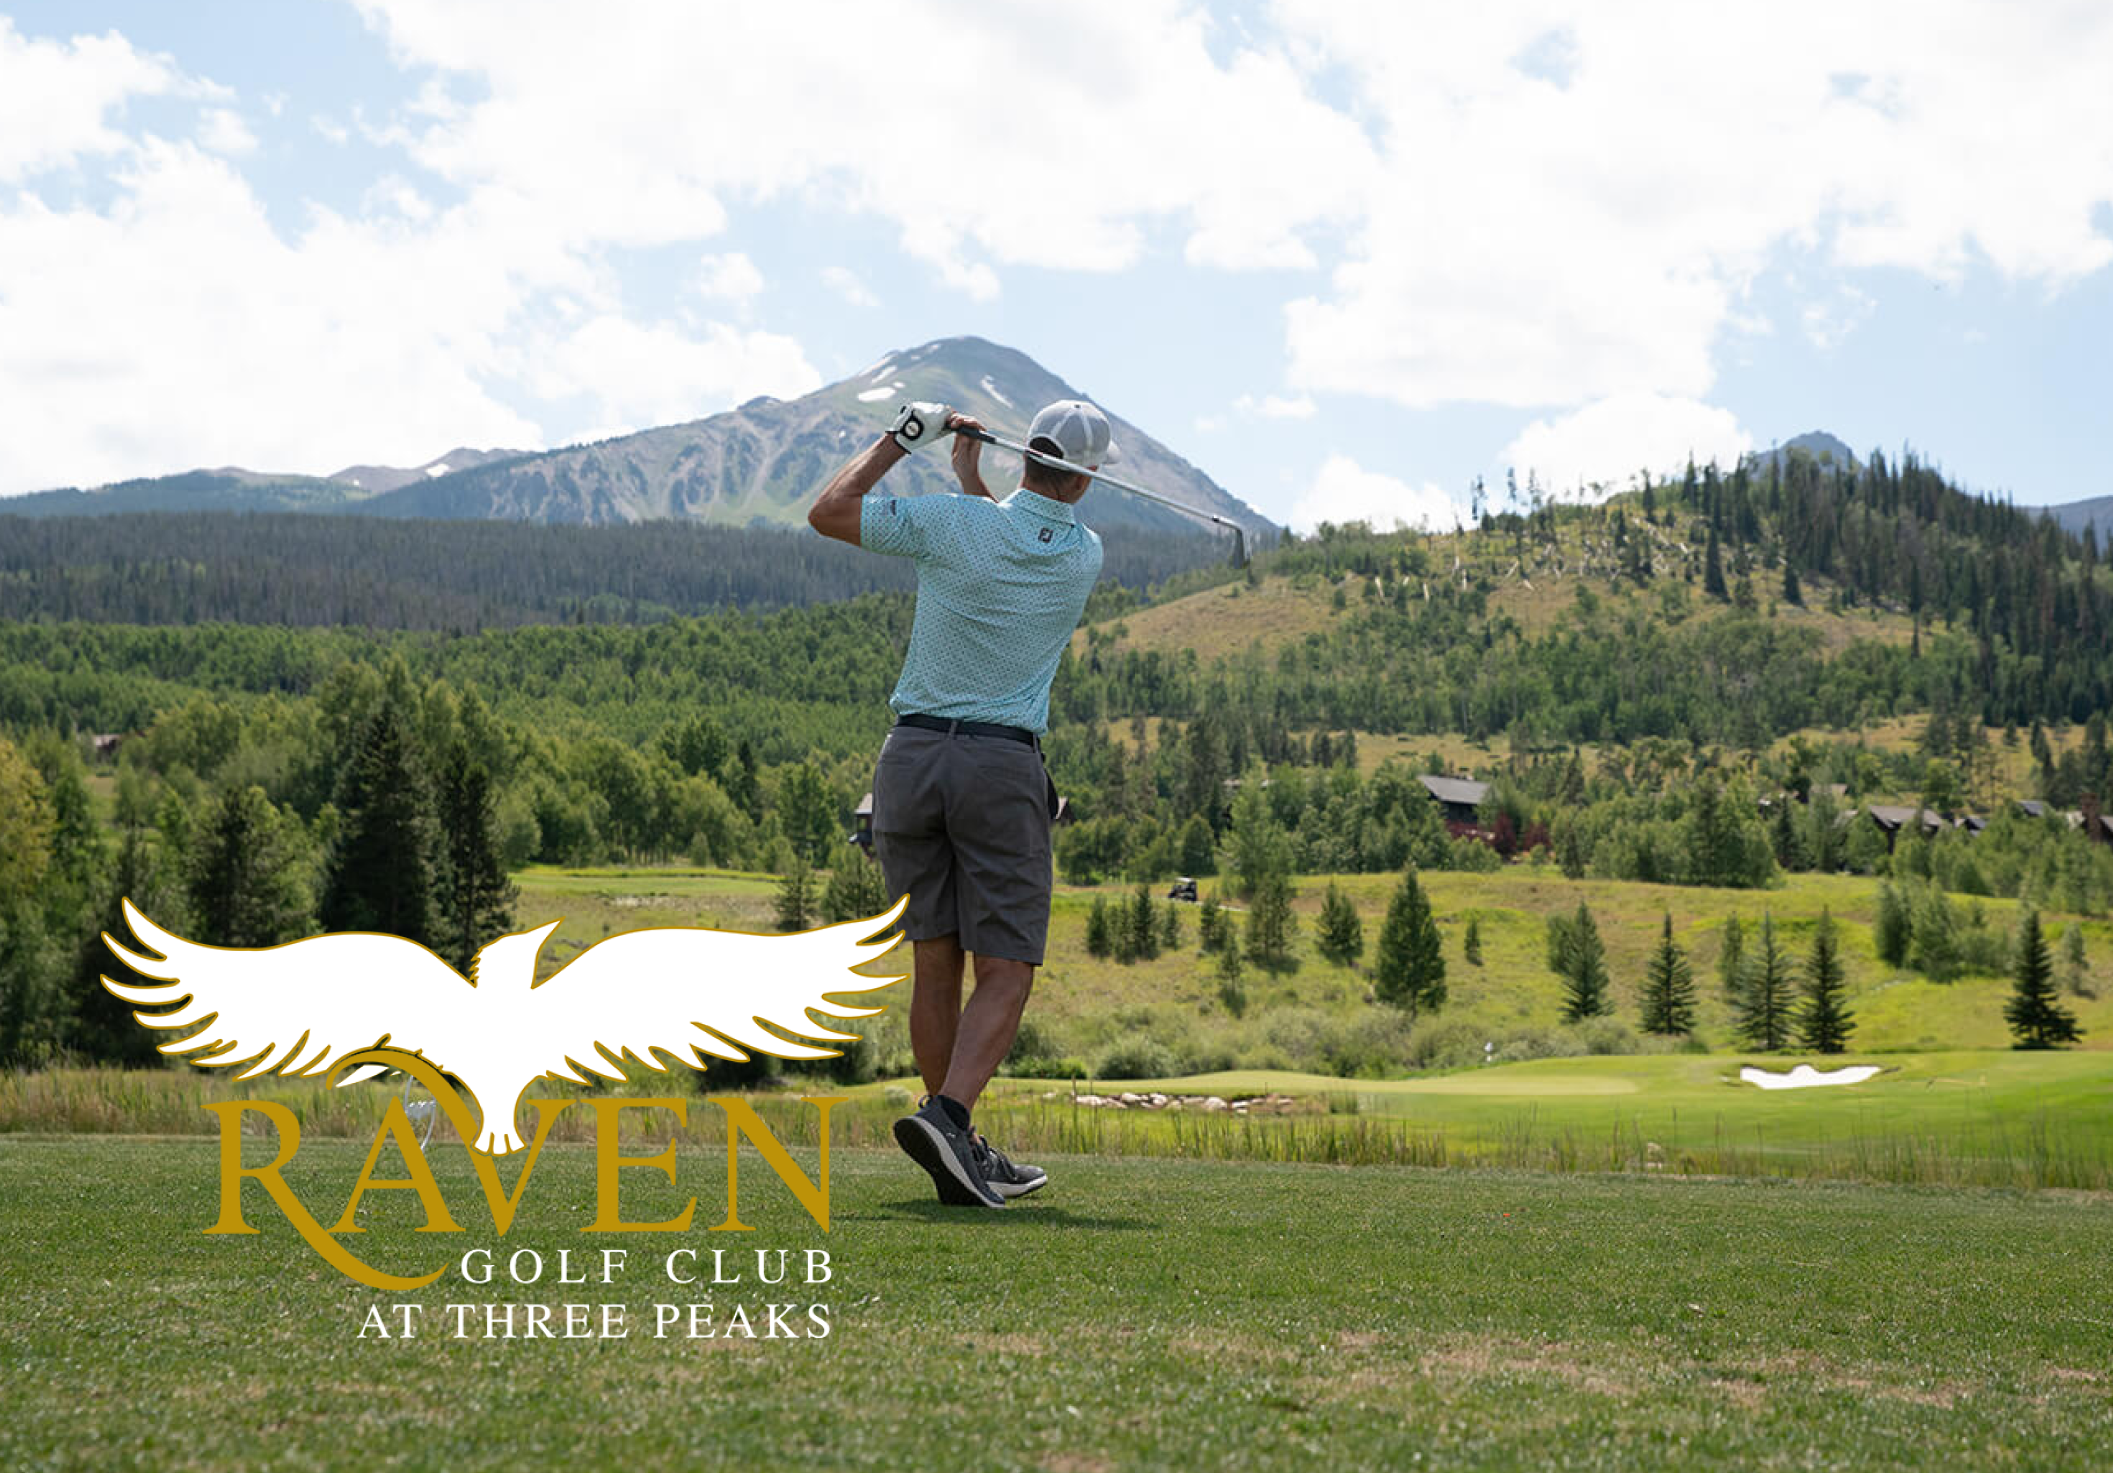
1078, 429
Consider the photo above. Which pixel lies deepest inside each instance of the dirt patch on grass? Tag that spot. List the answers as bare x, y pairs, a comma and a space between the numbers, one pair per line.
1470, 1358
1075, 1463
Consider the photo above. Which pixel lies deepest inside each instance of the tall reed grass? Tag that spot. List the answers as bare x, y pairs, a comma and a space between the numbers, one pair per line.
2033, 1152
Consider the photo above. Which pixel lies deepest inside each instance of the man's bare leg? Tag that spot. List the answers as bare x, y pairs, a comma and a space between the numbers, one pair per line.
935, 1007
986, 1028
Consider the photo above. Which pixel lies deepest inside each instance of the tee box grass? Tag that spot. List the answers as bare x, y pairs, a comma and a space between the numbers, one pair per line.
1138, 1314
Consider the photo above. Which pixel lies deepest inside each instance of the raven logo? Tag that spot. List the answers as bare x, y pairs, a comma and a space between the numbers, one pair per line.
663, 992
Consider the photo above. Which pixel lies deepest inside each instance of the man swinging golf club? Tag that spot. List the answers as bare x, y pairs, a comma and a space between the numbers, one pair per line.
962, 804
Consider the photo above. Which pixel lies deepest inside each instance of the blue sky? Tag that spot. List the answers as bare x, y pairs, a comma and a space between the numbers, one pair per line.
1345, 257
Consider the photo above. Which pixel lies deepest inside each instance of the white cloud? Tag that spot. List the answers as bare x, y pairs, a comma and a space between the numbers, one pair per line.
1276, 406
845, 283
732, 276
1608, 442
221, 130
1829, 321
639, 376
1344, 491
56, 96
626, 122
1551, 239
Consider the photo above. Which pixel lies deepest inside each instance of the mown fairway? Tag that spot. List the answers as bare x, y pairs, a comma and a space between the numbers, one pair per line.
1168, 1313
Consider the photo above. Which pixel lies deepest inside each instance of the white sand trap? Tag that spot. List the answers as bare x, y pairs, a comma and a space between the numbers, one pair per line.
1804, 1076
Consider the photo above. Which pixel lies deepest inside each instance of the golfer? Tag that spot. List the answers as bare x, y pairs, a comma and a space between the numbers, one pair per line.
961, 801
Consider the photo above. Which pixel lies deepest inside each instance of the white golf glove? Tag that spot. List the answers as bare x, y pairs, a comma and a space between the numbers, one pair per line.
917, 425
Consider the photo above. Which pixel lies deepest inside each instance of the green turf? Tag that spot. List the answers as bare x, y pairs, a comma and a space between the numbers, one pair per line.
1173, 1314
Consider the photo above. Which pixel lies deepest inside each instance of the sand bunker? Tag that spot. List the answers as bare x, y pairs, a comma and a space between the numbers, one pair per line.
1804, 1076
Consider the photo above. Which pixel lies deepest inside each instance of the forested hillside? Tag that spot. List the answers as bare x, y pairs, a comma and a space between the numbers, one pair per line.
1674, 687
287, 569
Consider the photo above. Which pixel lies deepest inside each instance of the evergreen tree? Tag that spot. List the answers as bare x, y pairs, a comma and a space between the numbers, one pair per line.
1100, 933
246, 883
1210, 924
1793, 592
795, 909
2036, 1019
1895, 928
856, 889
1170, 927
1934, 949
1668, 988
1713, 566
1471, 944
379, 875
1198, 847
477, 896
1408, 969
1764, 1009
1713, 840
1731, 959
2075, 964
1230, 991
1576, 954
1824, 1023
1342, 934
104, 1028
1140, 930
1270, 923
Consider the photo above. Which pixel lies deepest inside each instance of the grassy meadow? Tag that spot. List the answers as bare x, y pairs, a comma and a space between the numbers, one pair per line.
1137, 1313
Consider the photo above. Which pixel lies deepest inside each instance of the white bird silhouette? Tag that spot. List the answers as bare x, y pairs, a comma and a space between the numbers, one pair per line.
660, 992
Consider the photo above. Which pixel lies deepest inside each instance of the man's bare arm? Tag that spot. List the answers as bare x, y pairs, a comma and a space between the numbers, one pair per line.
836, 511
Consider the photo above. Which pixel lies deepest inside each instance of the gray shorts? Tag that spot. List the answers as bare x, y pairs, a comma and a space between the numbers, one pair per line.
961, 825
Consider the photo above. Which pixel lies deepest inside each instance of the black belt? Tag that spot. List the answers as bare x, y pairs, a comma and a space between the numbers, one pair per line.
969, 728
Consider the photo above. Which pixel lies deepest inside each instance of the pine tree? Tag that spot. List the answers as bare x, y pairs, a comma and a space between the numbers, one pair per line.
1270, 923
1824, 1023
795, 911
477, 897
2036, 1019
1342, 933
379, 875
1577, 955
1668, 988
1198, 847
1471, 944
104, 1028
1764, 1010
1713, 566
1230, 992
1100, 937
1210, 925
2075, 965
1793, 591
856, 889
245, 884
1408, 970
1895, 929
1140, 927
1731, 959
1170, 927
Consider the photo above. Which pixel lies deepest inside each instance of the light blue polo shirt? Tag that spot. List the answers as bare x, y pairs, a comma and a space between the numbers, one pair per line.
1000, 587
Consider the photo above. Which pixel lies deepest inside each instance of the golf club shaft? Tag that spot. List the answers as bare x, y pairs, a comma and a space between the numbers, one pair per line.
1121, 485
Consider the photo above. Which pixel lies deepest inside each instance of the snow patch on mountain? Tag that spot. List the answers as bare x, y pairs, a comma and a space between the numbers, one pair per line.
992, 390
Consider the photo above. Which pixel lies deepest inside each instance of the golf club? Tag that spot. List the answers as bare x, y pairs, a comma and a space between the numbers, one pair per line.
1239, 532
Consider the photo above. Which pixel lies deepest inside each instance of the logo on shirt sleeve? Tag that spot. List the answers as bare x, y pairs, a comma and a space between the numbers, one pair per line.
1047, 534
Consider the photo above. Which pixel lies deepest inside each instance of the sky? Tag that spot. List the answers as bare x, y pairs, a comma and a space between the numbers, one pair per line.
1345, 257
